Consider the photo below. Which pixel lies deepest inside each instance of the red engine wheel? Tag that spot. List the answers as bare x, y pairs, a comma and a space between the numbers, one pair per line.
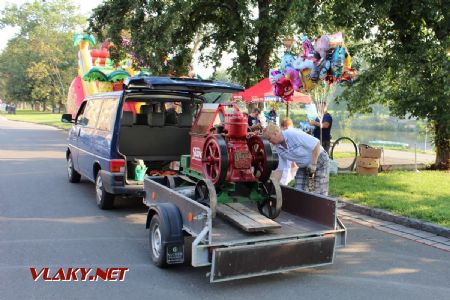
215, 159
263, 159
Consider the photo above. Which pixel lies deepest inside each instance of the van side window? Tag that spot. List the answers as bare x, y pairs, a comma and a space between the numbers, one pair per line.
80, 112
107, 115
90, 114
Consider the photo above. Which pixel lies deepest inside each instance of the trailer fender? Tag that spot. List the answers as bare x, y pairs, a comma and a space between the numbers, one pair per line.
172, 223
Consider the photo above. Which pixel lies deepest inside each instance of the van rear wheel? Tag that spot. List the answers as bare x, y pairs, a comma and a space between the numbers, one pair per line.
74, 176
104, 199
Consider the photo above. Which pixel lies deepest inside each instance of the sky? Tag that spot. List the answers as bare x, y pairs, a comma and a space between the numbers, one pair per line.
86, 9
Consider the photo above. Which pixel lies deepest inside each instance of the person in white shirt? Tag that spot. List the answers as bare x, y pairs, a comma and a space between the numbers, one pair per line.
291, 168
305, 150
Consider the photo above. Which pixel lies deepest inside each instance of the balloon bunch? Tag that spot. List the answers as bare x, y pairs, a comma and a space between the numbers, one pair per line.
327, 61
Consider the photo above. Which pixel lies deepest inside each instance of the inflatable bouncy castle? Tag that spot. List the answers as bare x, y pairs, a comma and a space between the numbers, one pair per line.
97, 73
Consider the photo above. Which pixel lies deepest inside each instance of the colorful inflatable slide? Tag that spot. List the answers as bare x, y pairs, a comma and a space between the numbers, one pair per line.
97, 73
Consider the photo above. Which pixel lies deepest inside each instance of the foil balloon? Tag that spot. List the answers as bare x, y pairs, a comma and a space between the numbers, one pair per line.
283, 89
293, 76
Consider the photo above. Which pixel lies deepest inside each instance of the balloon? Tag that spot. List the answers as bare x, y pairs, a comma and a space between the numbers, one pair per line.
286, 61
274, 75
308, 49
337, 62
324, 63
336, 39
325, 68
348, 60
301, 64
322, 46
283, 88
349, 74
308, 84
293, 76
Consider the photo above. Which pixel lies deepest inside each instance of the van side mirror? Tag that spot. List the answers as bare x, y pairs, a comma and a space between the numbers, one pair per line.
67, 118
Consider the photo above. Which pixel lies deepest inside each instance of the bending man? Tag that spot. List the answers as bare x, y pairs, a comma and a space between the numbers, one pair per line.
305, 150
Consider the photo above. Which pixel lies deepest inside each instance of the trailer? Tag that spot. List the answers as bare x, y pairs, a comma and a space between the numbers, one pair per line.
239, 242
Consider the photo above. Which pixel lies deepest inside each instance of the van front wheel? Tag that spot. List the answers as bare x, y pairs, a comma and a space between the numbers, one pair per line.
104, 199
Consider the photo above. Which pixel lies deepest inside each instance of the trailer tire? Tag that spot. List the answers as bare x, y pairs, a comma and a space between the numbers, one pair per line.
157, 242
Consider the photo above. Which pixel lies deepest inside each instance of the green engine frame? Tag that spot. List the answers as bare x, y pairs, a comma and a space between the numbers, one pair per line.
227, 192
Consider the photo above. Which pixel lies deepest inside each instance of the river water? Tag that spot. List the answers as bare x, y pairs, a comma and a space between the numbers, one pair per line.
422, 142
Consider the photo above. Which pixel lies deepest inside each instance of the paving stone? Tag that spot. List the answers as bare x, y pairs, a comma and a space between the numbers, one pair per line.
424, 234
379, 222
426, 242
442, 246
439, 239
408, 236
362, 222
388, 230
398, 227
410, 230
355, 215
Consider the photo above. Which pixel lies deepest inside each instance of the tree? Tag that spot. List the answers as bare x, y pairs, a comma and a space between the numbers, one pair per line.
402, 46
406, 45
44, 59
163, 32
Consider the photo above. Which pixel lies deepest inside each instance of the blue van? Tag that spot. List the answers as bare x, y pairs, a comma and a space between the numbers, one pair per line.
149, 121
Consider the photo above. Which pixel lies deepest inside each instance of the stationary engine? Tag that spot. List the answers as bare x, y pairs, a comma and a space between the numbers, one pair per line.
235, 162
226, 151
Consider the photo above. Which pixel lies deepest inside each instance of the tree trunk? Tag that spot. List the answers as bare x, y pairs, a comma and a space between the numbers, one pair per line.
265, 44
269, 30
52, 101
442, 142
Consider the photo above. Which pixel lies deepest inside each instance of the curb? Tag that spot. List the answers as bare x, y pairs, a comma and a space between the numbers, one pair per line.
387, 216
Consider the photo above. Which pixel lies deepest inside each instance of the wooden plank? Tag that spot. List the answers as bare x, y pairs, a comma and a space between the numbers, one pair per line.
245, 218
236, 217
254, 215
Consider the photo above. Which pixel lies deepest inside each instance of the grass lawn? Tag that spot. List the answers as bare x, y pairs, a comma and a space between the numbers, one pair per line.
424, 195
32, 116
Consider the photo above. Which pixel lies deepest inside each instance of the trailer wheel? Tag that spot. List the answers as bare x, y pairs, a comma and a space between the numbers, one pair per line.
157, 242
74, 176
104, 199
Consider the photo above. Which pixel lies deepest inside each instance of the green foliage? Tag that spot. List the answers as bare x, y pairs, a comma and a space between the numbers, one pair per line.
164, 32
40, 62
400, 47
406, 193
405, 45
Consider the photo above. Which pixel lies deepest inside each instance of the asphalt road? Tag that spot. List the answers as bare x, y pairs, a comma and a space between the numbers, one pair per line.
45, 221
